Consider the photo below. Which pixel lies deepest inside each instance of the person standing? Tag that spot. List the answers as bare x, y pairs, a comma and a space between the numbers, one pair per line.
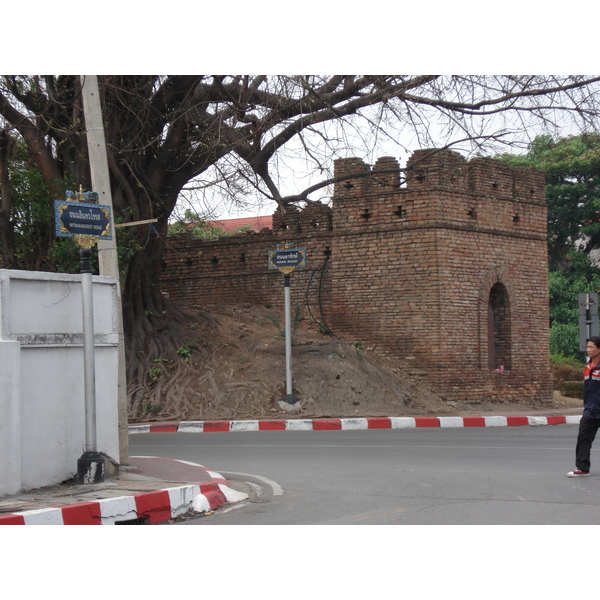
590, 420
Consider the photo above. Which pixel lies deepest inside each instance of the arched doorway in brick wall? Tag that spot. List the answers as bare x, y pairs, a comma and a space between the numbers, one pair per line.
499, 328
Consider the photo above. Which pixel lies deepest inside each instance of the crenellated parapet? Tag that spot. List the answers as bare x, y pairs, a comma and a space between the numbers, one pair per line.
314, 217
438, 186
439, 169
485, 177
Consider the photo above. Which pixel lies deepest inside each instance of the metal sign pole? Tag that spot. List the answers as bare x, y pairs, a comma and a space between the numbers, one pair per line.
90, 467
287, 258
289, 392
87, 223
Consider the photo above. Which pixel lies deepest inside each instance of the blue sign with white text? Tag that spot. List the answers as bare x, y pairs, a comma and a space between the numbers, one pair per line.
79, 218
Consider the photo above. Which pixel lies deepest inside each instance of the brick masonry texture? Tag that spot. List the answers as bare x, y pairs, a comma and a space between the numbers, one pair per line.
446, 272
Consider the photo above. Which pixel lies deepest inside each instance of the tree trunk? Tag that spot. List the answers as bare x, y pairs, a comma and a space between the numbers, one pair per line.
156, 329
8, 259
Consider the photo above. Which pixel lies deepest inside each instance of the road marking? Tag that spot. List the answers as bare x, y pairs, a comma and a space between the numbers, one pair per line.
275, 487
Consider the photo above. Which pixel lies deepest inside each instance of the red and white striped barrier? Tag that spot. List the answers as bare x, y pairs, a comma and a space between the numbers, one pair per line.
151, 507
350, 423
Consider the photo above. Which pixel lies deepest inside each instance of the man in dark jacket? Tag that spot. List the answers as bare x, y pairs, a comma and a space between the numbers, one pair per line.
590, 421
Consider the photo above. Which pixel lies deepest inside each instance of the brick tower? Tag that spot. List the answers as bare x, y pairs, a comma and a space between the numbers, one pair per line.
447, 274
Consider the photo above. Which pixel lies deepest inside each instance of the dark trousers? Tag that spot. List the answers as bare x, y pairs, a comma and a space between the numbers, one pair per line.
587, 433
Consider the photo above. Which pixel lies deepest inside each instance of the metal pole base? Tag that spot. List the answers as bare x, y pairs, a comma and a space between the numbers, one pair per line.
290, 399
90, 468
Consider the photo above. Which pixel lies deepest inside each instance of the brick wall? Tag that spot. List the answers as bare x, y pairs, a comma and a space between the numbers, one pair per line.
447, 273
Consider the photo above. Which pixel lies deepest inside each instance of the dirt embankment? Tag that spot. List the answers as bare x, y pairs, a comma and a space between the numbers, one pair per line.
242, 376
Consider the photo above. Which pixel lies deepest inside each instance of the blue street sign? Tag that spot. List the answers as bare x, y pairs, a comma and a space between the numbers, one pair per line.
79, 218
287, 258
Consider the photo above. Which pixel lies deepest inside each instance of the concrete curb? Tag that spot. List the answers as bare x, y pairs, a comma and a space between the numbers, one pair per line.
151, 508
350, 424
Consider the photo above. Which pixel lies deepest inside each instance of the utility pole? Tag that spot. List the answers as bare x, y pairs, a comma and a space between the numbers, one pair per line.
107, 249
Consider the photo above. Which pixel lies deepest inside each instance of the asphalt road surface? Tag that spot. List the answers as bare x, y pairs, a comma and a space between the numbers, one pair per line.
462, 476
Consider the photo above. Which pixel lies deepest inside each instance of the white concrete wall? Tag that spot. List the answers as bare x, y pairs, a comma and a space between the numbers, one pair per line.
42, 402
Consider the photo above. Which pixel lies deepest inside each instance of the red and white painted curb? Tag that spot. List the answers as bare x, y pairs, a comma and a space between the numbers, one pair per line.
153, 507
350, 424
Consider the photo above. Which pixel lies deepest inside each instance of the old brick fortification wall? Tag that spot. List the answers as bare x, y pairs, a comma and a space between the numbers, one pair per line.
447, 274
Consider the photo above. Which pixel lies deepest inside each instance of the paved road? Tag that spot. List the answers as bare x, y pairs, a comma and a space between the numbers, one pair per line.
505, 475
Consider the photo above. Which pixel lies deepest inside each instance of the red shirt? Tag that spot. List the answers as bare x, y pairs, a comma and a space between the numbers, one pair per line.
591, 391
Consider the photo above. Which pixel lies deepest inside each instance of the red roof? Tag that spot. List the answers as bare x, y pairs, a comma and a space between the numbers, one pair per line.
255, 223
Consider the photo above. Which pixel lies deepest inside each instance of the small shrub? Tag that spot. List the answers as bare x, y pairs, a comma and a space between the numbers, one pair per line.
155, 373
571, 389
153, 409
295, 318
184, 352
565, 369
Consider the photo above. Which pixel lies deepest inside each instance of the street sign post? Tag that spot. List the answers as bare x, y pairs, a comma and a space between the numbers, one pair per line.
86, 223
588, 318
286, 259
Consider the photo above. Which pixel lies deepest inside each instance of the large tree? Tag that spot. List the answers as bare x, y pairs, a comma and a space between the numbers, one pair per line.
572, 167
163, 132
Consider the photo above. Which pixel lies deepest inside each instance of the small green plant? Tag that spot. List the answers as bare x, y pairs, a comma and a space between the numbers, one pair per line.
184, 352
155, 371
275, 322
360, 347
152, 408
296, 318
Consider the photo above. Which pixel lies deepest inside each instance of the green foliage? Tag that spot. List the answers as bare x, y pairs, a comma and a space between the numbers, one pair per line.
296, 318
572, 167
185, 352
564, 339
154, 372
32, 212
579, 276
566, 361
152, 409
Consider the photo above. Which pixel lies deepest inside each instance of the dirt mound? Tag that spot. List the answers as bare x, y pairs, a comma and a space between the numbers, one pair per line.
241, 375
